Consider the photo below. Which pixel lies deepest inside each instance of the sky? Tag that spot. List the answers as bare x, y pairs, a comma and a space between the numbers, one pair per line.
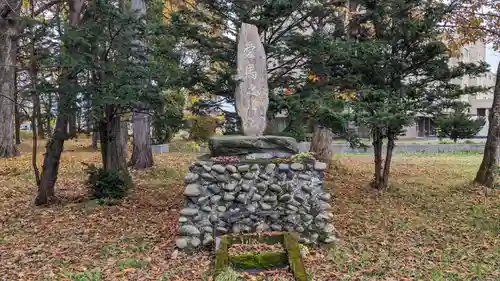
492, 58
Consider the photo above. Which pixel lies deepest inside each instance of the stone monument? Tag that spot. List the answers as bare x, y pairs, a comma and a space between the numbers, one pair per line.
254, 183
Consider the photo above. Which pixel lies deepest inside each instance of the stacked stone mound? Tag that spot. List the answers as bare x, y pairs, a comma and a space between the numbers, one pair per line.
255, 197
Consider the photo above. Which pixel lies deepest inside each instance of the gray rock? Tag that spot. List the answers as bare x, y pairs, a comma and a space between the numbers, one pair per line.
181, 243
299, 229
207, 168
231, 168
329, 228
314, 237
214, 188
236, 229
206, 209
195, 242
229, 187
270, 168
321, 217
208, 177
255, 167
244, 168
299, 198
242, 198
295, 203
249, 176
297, 166
305, 177
264, 176
256, 197
221, 229
192, 190
221, 208
244, 145
307, 188
183, 219
215, 199
261, 186
324, 206
272, 198
189, 230
236, 176
222, 178
285, 197
208, 239
213, 218
203, 200
219, 168
265, 206
276, 188
292, 208
229, 197
284, 167
276, 227
307, 217
245, 187
251, 208
191, 178
319, 166
261, 227
189, 212
325, 197
330, 240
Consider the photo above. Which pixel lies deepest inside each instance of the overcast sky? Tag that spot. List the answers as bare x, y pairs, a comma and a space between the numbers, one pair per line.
492, 59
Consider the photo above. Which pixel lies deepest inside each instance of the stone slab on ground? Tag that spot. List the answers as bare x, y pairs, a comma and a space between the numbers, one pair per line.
243, 145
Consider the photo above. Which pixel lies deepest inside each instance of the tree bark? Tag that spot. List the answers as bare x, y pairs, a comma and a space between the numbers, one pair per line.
321, 144
124, 137
388, 161
142, 155
95, 139
17, 115
113, 154
487, 174
9, 20
377, 153
55, 145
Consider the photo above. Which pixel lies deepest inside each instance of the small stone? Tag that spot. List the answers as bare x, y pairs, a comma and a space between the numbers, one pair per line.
325, 206
219, 168
329, 240
320, 224
284, 167
181, 243
203, 200
261, 186
189, 212
207, 168
243, 168
208, 239
314, 237
268, 198
270, 168
325, 197
265, 206
305, 177
192, 190
206, 208
221, 229
231, 168
297, 166
261, 227
292, 208
183, 219
222, 178
251, 208
215, 199
299, 198
236, 229
242, 198
276, 227
329, 228
319, 166
246, 228
321, 217
299, 229
208, 177
174, 255
229, 187
213, 219
236, 176
229, 197
307, 188
285, 198
264, 176
295, 203
276, 188
245, 187
195, 242
307, 217
255, 167
256, 197
214, 188
221, 209
191, 178
189, 230
249, 176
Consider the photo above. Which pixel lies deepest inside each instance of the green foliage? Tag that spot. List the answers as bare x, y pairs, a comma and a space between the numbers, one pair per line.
203, 127
84, 276
459, 125
227, 275
168, 118
107, 184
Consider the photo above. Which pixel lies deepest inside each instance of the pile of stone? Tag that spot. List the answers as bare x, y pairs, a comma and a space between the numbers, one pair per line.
255, 197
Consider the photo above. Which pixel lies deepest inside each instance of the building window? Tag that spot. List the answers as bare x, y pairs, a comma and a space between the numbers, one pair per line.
481, 112
466, 52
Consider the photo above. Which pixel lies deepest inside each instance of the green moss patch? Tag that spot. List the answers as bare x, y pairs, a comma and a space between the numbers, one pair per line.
266, 260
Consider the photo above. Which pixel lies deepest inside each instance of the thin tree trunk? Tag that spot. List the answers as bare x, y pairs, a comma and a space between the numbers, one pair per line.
49, 116
377, 153
95, 139
9, 21
142, 155
487, 174
388, 160
113, 154
55, 145
124, 137
321, 144
17, 115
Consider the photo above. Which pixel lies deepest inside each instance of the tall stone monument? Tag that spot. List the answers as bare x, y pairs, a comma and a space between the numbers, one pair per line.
252, 93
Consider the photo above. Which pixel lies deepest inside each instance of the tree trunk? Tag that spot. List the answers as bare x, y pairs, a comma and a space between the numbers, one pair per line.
321, 144
388, 160
55, 145
113, 154
142, 155
487, 174
39, 118
48, 119
124, 137
377, 153
95, 139
17, 115
9, 20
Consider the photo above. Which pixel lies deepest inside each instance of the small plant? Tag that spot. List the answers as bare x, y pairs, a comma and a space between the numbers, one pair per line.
84, 276
228, 275
303, 156
106, 184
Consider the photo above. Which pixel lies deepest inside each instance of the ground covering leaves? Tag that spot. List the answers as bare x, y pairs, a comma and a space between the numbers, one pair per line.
430, 225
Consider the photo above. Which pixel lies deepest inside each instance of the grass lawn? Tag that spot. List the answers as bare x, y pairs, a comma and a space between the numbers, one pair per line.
430, 225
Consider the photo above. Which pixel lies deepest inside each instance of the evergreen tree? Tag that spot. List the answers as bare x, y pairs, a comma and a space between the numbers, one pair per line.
459, 124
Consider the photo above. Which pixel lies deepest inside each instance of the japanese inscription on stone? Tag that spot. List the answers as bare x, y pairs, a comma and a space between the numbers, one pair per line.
252, 92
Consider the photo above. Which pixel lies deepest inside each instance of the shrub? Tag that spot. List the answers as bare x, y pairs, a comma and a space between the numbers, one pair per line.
107, 184
459, 125
203, 127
